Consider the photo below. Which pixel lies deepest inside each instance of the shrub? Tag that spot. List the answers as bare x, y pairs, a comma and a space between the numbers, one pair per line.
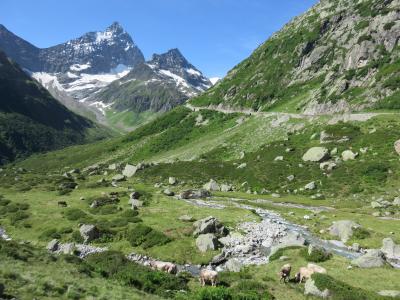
114, 265
341, 290
361, 233
74, 214
317, 255
210, 293
146, 237
50, 233
4, 202
18, 216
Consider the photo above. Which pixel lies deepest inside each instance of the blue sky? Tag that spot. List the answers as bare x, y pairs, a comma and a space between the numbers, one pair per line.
214, 35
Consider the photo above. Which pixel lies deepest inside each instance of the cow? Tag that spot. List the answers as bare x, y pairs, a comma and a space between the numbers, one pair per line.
284, 273
208, 276
164, 266
62, 203
306, 272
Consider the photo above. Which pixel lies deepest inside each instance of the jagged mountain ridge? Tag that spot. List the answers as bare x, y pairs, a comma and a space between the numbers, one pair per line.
31, 120
167, 80
80, 72
339, 56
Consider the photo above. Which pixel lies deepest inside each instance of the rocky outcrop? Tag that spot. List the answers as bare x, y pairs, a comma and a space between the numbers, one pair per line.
209, 225
89, 233
391, 250
206, 242
195, 194
372, 259
343, 229
311, 289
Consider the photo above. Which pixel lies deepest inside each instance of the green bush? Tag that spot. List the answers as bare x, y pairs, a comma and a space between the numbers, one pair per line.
213, 293
360, 233
49, 234
340, 290
146, 237
114, 265
317, 255
18, 216
75, 214
389, 25
4, 202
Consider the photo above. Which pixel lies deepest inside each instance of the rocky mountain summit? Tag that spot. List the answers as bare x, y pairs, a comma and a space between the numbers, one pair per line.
167, 80
339, 56
79, 72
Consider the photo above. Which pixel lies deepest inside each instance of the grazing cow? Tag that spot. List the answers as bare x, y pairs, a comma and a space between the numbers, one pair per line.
164, 266
62, 203
208, 276
284, 273
304, 273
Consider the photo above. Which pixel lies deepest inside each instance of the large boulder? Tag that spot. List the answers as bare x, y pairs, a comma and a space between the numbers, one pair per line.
68, 248
89, 233
233, 265
372, 259
205, 242
212, 185
349, 155
226, 188
397, 147
343, 229
209, 225
391, 250
53, 245
172, 180
316, 154
289, 240
396, 201
195, 194
310, 186
129, 171
118, 177
311, 289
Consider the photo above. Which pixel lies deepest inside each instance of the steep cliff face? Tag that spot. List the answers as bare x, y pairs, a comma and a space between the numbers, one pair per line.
340, 55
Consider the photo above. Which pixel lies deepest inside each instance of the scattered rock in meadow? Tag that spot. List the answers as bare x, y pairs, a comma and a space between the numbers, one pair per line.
89, 233
168, 192
212, 185
343, 229
311, 289
172, 180
206, 242
53, 245
118, 178
129, 171
316, 154
349, 155
310, 186
372, 259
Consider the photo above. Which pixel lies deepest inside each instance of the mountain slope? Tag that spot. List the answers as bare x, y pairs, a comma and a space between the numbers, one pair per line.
167, 80
31, 120
341, 55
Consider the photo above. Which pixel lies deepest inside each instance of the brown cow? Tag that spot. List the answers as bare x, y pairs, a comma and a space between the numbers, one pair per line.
284, 273
164, 266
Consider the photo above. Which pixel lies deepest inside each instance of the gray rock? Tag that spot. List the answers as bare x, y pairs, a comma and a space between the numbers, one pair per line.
311, 289
112, 167
209, 225
327, 166
396, 201
391, 250
195, 194
343, 229
53, 245
172, 180
129, 171
134, 196
316, 154
242, 166
205, 242
186, 218
291, 239
89, 233
212, 185
372, 259
310, 186
168, 192
233, 265
390, 293
118, 178
376, 204
226, 188
278, 158
314, 249
349, 155
68, 248
290, 177
397, 147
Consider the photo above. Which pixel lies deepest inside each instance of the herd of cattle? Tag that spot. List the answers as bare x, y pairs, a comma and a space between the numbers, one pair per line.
211, 277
